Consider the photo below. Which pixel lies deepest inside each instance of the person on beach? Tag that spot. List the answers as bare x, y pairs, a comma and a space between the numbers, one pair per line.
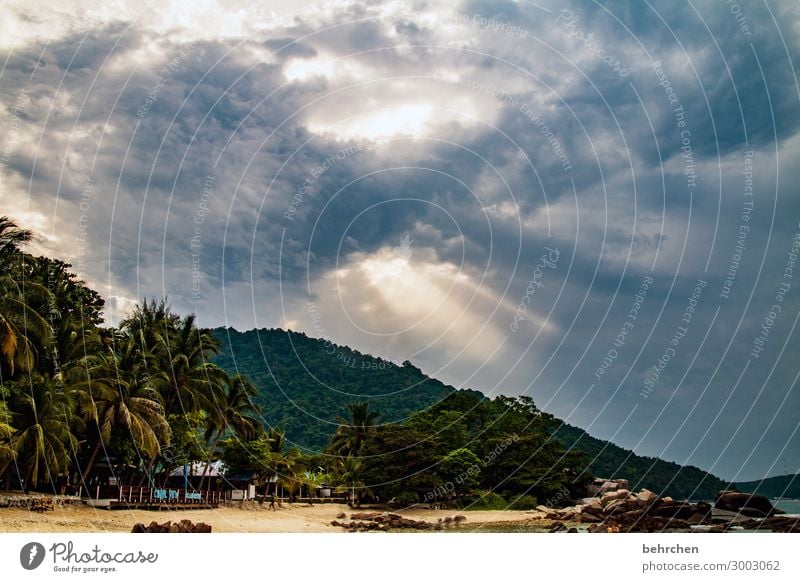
272, 502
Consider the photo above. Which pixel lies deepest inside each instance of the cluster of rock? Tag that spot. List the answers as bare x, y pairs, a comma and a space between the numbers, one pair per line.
38, 503
183, 526
615, 508
391, 521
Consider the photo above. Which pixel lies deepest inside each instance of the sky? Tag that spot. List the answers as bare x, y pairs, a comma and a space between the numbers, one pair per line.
591, 203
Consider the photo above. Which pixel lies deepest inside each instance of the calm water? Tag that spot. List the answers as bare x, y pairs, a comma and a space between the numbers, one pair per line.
790, 506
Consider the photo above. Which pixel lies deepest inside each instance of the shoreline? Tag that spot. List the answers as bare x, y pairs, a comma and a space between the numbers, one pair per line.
232, 519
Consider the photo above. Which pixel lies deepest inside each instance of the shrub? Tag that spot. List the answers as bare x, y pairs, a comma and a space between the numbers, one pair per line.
406, 498
523, 502
487, 500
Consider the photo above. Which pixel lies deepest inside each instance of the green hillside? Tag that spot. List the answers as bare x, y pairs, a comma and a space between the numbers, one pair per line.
663, 477
305, 383
783, 486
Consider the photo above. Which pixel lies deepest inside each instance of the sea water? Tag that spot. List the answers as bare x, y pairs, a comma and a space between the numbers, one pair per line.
790, 506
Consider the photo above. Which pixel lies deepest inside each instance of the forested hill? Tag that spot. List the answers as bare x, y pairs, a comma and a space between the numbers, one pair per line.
783, 486
663, 477
305, 383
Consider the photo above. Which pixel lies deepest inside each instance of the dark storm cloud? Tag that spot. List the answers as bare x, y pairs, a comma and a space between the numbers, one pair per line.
207, 170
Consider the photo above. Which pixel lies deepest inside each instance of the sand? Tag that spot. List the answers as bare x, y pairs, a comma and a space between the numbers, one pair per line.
287, 519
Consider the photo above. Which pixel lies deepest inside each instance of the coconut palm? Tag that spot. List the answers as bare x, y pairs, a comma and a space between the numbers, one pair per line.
12, 238
313, 481
351, 433
23, 330
285, 466
6, 432
349, 474
123, 396
236, 413
24, 333
43, 441
183, 351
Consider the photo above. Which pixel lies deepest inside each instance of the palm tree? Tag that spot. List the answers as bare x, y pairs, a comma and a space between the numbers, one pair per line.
6, 432
349, 473
313, 480
12, 238
183, 351
351, 433
235, 413
43, 441
123, 396
285, 466
175, 347
22, 328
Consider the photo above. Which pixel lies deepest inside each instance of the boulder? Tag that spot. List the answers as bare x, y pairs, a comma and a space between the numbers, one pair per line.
609, 507
612, 496
595, 510
568, 515
588, 518
608, 486
735, 501
699, 519
725, 516
646, 496
776, 524
183, 526
680, 509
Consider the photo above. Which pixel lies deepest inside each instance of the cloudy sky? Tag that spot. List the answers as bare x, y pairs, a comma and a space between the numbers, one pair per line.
593, 203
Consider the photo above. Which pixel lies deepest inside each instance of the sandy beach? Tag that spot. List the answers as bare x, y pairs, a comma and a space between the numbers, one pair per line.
257, 519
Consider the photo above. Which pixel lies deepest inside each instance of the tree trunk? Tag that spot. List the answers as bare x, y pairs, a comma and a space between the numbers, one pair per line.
208, 462
147, 471
4, 470
92, 459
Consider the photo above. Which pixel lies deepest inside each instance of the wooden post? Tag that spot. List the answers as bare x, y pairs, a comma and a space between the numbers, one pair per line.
97, 495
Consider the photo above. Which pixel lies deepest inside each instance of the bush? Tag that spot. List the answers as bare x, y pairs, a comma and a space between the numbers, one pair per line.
406, 498
524, 502
487, 500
